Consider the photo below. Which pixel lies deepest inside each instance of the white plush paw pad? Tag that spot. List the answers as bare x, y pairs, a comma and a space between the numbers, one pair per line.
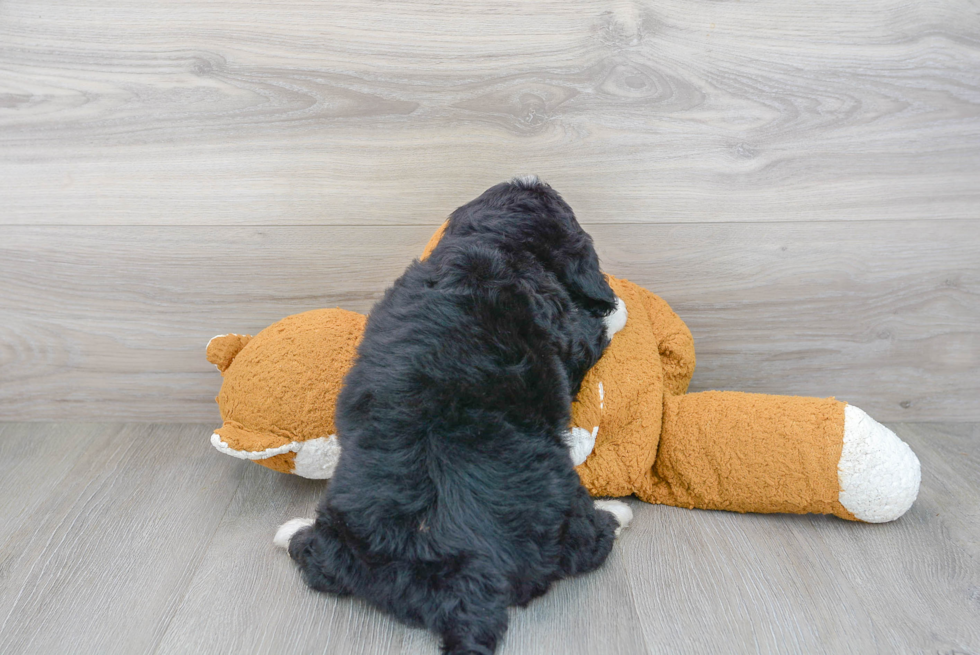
288, 529
317, 458
619, 509
580, 443
878, 473
617, 320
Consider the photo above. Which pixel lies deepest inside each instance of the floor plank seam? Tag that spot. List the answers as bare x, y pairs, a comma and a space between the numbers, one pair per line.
197, 566
51, 537
636, 614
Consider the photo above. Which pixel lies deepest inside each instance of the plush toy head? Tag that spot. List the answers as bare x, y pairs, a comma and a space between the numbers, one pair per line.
280, 389
279, 393
621, 402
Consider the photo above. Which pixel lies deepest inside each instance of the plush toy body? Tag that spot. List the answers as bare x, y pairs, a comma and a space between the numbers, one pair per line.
633, 423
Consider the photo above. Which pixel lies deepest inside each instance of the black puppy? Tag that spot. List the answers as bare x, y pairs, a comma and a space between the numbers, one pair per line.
455, 495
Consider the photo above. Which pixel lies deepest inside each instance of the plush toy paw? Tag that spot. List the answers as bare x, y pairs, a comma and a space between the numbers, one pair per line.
580, 444
315, 459
286, 531
620, 511
878, 473
617, 320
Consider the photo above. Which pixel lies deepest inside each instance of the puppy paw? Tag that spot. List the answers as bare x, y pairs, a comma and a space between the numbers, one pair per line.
580, 444
288, 529
620, 511
617, 320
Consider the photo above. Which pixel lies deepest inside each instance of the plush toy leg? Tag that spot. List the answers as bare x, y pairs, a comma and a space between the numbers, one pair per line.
674, 340
758, 453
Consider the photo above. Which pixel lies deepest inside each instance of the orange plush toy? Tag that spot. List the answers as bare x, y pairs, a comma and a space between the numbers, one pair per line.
635, 430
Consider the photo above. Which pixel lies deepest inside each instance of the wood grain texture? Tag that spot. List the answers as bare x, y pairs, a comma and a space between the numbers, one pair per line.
110, 322
248, 597
105, 559
884, 565
594, 613
31, 469
781, 584
114, 322
362, 113
151, 542
882, 315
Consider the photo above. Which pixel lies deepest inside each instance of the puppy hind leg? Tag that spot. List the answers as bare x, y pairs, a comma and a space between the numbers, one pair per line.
589, 536
288, 529
620, 511
325, 561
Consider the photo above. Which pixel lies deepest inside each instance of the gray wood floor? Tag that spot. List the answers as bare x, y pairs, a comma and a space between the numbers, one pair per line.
129, 538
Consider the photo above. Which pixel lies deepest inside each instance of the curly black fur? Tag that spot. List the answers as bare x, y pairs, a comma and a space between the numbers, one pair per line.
455, 496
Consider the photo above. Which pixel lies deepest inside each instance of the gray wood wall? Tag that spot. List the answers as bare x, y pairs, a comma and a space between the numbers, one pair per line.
801, 181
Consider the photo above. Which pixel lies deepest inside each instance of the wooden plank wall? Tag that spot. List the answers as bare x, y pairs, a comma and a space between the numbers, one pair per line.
801, 181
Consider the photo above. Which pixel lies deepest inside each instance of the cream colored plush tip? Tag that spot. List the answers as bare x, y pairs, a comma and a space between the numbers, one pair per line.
580, 444
317, 458
617, 320
878, 473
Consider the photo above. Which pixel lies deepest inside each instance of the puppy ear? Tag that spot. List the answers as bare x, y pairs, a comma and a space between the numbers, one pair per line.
587, 284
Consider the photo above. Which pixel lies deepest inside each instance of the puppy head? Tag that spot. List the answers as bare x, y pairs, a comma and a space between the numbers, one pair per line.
527, 214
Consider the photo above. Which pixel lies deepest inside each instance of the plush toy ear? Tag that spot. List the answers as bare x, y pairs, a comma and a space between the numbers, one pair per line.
223, 348
434, 241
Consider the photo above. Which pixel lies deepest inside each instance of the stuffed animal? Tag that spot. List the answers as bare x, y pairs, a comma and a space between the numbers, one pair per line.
635, 430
